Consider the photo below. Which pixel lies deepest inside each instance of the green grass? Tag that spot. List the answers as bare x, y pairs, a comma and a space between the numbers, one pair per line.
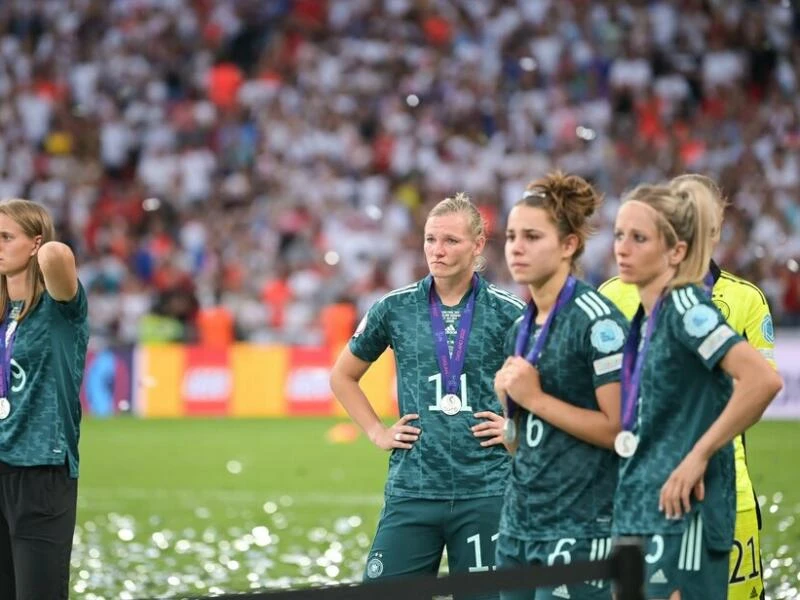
773, 452
170, 508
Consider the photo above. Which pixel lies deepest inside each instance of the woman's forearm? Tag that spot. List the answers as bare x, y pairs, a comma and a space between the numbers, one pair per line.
749, 400
591, 426
350, 395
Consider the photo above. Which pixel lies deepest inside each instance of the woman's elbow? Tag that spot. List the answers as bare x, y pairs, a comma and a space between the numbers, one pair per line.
773, 383
335, 380
613, 428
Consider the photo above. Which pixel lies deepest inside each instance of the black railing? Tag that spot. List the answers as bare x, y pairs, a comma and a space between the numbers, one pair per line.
624, 568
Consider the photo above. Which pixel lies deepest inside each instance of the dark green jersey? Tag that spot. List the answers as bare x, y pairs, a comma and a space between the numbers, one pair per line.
561, 486
682, 392
48, 356
447, 461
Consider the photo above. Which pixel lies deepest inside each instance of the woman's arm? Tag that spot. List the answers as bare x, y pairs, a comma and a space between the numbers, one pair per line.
597, 427
756, 385
58, 268
344, 381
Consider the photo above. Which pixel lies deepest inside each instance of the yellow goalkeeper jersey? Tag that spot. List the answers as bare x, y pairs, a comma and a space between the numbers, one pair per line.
745, 307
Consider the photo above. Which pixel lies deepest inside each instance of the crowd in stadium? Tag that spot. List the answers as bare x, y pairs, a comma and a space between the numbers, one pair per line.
249, 163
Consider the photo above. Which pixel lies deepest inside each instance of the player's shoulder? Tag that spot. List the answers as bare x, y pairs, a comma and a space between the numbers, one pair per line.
590, 304
623, 295
505, 301
399, 297
611, 285
684, 298
615, 289
690, 308
744, 291
592, 312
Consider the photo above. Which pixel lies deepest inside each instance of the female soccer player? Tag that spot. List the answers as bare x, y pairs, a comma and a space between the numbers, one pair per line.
448, 466
680, 408
43, 339
562, 392
746, 310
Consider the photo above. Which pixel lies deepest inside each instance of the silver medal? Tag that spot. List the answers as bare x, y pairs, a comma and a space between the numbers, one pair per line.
5, 408
451, 404
509, 431
626, 443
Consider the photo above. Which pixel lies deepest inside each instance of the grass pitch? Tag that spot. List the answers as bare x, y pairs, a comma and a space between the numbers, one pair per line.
198, 507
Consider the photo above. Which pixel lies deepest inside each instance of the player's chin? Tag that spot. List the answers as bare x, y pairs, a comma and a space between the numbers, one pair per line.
521, 275
441, 270
628, 275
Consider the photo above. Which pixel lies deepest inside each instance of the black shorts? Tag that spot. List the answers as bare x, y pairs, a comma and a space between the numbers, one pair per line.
37, 522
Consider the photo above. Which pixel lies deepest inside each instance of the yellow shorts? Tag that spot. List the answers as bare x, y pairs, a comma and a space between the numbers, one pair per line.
746, 581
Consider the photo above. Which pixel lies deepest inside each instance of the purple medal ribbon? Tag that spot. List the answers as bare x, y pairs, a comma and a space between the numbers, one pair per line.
451, 367
5, 352
633, 363
524, 332
708, 283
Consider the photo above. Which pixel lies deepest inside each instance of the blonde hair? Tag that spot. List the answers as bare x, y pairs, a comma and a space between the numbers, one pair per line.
684, 213
461, 204
696, 183
569, 200
34, 220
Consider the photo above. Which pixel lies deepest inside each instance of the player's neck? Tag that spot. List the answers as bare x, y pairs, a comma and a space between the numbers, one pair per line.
451, 290
17, 285
651, 291
545, 294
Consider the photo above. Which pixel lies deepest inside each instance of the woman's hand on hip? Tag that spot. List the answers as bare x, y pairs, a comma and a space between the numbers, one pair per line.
401, 435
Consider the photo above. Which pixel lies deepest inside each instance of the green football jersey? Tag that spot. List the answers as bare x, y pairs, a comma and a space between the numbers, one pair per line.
561, 486
682, 392
47, 362
447, 461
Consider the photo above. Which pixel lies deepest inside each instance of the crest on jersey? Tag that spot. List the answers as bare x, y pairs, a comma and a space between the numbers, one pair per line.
361, 326
374, 567
700, 320
723, 307
767, 329
607, 336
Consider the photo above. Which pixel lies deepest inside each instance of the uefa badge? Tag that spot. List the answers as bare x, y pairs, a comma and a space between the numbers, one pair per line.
451, 404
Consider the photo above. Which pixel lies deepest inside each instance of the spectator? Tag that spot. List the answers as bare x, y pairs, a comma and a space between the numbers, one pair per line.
294, 132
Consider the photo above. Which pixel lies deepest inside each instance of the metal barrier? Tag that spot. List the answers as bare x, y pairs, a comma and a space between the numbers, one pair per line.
625, 567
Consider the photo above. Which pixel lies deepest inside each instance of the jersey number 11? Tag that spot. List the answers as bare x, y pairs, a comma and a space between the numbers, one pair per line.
437, 379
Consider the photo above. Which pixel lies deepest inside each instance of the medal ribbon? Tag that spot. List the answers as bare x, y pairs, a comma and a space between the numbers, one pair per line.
7, 334
524, 332
633, 362
451, 366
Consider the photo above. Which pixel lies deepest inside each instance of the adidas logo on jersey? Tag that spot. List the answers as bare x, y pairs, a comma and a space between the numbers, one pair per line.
658, 577
754, 593
561, 592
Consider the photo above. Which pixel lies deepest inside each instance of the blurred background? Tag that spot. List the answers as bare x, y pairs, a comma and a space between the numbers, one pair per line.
241, 179
275, 157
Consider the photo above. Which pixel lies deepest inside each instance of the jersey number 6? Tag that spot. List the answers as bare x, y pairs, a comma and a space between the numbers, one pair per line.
534, 431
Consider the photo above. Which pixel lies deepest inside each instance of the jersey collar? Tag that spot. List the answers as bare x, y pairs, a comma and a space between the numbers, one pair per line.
425, 288
715, 270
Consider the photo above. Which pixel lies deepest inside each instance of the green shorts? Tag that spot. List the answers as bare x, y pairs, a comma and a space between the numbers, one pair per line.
412, 533
684, 562
513, 552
